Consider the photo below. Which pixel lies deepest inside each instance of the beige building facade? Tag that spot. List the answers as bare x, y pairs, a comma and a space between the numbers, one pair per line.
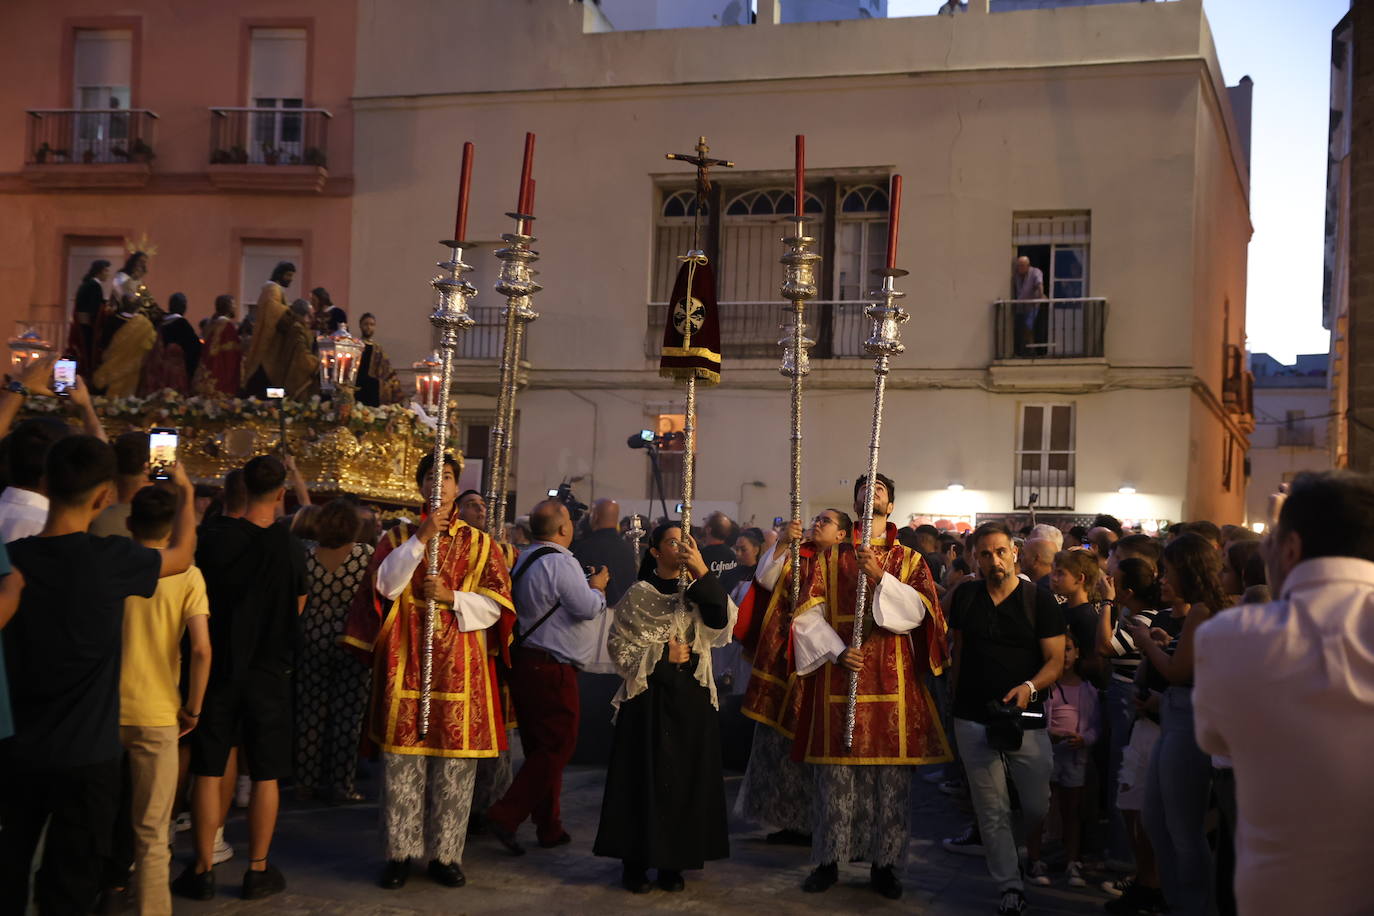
1098, 141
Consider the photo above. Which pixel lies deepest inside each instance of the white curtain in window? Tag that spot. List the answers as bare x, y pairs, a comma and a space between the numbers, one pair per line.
277, 70
102, 68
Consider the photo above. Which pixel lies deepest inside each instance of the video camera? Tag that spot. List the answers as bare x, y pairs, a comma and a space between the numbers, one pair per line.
564, 494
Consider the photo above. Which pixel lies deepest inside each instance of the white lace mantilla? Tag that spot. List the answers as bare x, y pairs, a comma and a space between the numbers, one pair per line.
644, 621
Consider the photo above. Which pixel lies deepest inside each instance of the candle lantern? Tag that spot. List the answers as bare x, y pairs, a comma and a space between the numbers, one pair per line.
26, 348
427, 378
340, 357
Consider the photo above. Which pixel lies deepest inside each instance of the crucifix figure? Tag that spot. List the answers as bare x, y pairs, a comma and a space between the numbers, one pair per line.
703, 164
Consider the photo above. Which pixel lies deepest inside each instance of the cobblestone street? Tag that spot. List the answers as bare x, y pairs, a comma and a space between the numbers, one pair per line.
330, 859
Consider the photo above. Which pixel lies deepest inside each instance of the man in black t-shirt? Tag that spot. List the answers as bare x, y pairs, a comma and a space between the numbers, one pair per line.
717, 543
1008, 648
604, 546
255, 579
62, 650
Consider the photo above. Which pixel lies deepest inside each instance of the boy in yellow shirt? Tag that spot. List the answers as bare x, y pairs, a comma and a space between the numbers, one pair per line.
151, 715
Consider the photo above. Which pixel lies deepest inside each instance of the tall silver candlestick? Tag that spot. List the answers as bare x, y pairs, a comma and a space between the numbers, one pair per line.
516, 282
798, 285
450, 317
884, 344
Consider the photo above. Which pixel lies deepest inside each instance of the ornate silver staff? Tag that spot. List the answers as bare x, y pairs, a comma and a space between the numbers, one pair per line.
688, 316
884, 344
798, 285
516, 282
450, 316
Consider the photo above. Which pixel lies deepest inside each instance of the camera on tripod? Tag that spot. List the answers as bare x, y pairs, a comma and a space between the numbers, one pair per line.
564, 494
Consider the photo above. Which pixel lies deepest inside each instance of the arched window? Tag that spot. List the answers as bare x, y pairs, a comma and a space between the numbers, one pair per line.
770, 202
682, 204
860, 240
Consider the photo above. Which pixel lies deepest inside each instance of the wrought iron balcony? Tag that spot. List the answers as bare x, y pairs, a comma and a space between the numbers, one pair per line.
750, 330
485, 338
1030, 329
90, 136
269, 136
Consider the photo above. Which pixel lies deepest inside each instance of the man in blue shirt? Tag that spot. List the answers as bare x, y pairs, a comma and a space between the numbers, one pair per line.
557, 605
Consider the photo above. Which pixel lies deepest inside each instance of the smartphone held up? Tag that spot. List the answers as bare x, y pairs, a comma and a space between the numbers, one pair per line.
63, 377
162, 452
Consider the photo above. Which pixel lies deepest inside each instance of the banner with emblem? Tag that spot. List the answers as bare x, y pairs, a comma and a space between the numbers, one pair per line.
691, 333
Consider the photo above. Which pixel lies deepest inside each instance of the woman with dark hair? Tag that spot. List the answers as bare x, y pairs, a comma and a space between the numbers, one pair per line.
1179, 783
328, 317
331, 688
664, 805
86, 315
1243, 576
130, 276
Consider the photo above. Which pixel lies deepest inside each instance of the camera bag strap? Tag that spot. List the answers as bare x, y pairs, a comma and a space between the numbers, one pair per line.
515, 577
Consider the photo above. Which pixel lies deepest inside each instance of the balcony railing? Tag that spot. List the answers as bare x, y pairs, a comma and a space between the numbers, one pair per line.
1052, 487
1297, 436
269, 136
484, 339
77, 136
750, 330
1050, 328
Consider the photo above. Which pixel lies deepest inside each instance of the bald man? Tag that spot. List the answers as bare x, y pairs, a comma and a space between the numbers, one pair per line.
1037, 559
557, 606
1032, 320
604, 546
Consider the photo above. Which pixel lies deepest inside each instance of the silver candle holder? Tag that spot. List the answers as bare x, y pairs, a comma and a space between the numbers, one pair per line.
798, 286
449, 318
515, 282
883, 344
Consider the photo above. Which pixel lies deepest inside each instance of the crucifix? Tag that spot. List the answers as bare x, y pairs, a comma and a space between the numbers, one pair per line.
689, 316
703, 165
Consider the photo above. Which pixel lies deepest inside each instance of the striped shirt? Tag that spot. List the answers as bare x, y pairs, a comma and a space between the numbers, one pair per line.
1125, 656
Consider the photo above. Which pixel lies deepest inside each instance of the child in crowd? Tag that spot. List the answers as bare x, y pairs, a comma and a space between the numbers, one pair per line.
62, 648
1071, 707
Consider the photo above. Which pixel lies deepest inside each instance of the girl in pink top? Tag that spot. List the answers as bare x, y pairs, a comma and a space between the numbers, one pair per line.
1072, 710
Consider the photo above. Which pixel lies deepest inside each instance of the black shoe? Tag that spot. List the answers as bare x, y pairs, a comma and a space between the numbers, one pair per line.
115, 900
634, 880
884, 881
394, 874
563, 839
821, 879
265, 883
505, 838
788, 838
194, 886
449, 874
1013, 903
670, 881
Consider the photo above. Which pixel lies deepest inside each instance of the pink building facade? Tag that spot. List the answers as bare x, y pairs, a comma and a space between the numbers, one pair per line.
219, 137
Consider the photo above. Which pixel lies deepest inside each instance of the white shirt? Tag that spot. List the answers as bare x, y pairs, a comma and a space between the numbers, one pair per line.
474, 612
1286, 690
897, 608
23, 513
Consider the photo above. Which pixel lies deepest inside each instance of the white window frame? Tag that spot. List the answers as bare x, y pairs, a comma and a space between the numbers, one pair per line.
1039, 479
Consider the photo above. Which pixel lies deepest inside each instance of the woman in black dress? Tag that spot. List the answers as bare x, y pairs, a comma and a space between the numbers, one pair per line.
664, 806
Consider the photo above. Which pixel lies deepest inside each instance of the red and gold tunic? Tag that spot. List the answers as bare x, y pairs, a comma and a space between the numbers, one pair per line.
896, 720
774, 695
465, 711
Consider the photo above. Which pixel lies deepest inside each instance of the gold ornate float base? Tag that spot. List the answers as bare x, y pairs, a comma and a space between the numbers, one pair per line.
371, 453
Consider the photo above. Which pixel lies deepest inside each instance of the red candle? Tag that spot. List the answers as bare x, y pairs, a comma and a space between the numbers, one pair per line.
522, 201
529, 198
460, 222
894, 216
800, 193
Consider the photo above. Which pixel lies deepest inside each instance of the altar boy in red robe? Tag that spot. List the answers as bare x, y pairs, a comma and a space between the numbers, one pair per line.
428, 782
896, 726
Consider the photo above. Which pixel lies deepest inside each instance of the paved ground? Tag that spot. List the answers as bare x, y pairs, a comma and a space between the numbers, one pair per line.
331, 860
